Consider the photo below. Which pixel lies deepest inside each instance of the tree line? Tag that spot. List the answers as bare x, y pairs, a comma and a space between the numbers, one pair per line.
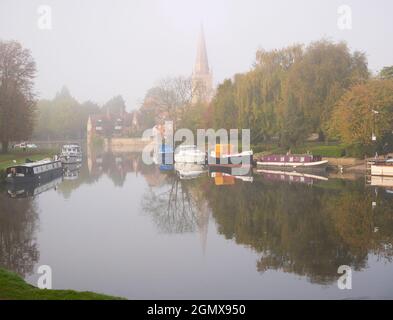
289, 95
64, 117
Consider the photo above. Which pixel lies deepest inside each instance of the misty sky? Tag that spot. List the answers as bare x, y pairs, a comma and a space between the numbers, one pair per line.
101, 48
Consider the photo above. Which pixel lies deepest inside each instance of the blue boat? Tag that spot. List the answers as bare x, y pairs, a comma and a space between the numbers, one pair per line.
165, 153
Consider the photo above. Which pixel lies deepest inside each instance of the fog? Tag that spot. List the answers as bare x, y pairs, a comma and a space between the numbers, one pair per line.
99, 49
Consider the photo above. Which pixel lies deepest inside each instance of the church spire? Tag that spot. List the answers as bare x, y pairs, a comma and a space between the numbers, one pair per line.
201, 63
202, 79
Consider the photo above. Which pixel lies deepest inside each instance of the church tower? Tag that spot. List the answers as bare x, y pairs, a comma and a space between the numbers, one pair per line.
202, 78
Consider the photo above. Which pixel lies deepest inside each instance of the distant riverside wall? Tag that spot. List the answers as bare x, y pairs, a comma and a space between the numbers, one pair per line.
126, 144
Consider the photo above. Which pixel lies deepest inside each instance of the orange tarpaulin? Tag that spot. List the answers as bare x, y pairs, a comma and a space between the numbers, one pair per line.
222, 149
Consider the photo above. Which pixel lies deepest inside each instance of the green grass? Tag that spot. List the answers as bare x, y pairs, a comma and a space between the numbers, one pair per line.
13, 287
334, 150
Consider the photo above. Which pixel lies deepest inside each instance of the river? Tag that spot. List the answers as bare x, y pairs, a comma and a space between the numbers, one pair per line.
119, 227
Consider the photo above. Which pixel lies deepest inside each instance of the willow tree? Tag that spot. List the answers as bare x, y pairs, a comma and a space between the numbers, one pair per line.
17, 103
321, 77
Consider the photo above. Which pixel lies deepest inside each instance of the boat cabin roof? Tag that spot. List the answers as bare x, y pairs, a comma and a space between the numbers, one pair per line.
34, 164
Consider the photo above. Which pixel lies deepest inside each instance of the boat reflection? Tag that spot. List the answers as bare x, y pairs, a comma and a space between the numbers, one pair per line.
189, 171
291, 176
71, 171
32, 189
227, 175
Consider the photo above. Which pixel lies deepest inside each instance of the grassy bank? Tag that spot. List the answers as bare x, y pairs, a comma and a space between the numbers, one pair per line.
321, 149
7, 160
13, 287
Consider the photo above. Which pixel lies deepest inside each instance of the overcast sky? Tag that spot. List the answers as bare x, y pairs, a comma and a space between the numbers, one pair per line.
101, 48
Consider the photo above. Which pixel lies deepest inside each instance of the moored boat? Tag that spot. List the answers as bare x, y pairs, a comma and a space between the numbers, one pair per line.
225, 155
293, 161
163, 155
189, 154
71, 153
381, 167
37, 171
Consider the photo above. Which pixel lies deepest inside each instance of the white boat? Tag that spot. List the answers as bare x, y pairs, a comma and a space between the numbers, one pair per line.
189, 171
189, 154
71, 153
382, 167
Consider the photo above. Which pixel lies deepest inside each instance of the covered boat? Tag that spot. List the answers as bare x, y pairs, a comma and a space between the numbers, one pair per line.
71, 153
38, 171
292, 161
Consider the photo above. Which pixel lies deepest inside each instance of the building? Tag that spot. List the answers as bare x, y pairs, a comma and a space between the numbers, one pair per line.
202, 77
113, 125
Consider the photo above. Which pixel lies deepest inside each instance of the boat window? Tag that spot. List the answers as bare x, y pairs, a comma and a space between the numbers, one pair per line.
282, 159
302, 159
291, 159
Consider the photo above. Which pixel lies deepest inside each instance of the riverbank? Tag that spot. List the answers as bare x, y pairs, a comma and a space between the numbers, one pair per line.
7, 160
13, 287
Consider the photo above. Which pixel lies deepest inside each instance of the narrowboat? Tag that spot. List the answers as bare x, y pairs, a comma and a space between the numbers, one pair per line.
189, 154
38, 171
292, 161
225, 155
71, 153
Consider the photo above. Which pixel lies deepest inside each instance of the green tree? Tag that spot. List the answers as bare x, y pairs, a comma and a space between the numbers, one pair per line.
116, 105
63, 117
17, 101
386, 73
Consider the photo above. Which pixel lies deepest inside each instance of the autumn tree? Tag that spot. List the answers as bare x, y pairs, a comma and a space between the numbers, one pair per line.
17, 101
353, 115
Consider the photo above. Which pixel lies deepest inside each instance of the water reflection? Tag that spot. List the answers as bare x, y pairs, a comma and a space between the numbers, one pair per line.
302, 224
309, 231
18, 223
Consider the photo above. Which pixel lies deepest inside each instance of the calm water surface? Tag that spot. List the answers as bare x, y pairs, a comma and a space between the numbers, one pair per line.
119, 227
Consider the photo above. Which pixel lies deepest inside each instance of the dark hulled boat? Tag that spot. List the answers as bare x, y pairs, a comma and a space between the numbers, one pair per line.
38, 171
